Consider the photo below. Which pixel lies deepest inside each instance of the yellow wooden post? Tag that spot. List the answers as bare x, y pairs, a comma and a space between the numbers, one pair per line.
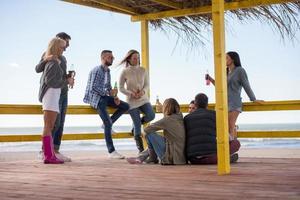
145, 53
221, 87
145, 45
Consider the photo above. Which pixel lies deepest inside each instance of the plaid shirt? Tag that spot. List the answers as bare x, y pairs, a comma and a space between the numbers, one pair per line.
96, 87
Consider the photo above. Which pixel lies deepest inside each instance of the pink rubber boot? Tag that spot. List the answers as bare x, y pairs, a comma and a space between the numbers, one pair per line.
49, 155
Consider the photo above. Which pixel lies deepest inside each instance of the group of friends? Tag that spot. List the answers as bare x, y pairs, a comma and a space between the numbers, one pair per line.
185, 139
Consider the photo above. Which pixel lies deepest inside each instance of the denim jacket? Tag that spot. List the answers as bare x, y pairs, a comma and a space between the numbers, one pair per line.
96, 87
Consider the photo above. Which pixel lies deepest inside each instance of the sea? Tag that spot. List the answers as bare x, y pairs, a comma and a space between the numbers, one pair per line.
129, 144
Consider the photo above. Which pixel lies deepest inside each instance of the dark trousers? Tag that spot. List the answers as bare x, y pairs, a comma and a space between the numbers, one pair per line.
104, 102
234, 146
58, 129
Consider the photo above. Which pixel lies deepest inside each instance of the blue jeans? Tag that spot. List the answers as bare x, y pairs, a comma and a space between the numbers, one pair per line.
135, 113
58, 129
104, 102
157, 143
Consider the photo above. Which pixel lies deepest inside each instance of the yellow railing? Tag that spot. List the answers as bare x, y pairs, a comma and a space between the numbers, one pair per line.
7, 109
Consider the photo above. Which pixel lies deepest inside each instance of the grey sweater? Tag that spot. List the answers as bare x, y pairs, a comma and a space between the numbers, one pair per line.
41, 66
174, 132
235, 81
52, 77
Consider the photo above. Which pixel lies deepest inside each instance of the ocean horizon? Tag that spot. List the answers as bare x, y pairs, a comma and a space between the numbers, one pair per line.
129, 144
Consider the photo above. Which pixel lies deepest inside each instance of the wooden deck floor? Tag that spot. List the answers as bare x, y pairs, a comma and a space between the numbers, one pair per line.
103, 178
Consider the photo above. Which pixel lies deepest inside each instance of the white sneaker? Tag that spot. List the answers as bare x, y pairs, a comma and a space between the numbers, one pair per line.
62, 157
112, 130
116, 155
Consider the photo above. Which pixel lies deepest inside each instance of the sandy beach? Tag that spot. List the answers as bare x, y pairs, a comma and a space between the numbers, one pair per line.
244, 152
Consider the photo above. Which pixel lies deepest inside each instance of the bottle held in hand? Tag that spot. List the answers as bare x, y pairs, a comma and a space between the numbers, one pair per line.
115, 89
71, 74
207, 79
158, 105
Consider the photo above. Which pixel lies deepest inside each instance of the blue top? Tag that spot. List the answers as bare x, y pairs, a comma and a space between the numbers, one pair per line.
96, 86
235, 81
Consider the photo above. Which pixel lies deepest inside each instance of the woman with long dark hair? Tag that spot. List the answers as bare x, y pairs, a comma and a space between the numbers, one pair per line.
236, 80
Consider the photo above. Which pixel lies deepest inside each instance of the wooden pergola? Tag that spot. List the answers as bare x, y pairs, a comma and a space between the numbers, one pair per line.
145, 11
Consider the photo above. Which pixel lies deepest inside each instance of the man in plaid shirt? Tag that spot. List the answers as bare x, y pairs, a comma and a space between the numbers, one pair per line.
99, 94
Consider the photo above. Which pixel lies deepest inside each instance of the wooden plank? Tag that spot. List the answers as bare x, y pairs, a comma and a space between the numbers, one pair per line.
221, 86
95, 5
29, 109
206, 9
117, 6
88, 178
93, 136
170, 4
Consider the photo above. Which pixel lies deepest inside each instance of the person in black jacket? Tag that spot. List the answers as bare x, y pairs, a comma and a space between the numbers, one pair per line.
200, 127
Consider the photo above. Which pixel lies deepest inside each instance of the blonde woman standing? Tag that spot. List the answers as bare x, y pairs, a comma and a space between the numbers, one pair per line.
52, 81
137, 83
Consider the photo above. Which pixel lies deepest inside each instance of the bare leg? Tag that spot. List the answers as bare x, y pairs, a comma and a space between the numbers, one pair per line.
232, 117
49, 121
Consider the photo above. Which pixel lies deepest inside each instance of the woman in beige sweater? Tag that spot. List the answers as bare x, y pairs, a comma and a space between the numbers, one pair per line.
137, 83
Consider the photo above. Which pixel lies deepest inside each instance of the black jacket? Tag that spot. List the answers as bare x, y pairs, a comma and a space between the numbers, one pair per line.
200, 128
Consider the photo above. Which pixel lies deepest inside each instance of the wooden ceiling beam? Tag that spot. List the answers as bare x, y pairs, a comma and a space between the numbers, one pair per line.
170, 4
207, 9
116, 6
95, 5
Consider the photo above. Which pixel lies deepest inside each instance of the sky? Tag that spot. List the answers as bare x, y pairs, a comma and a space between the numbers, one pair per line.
26, 27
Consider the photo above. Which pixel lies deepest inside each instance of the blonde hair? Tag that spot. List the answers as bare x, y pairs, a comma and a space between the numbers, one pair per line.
128, 56
171, 106
54, 47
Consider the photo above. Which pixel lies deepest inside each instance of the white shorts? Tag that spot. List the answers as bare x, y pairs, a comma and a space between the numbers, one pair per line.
51, 99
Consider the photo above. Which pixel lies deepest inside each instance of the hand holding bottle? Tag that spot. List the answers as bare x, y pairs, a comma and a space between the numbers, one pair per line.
207, 80
70, 76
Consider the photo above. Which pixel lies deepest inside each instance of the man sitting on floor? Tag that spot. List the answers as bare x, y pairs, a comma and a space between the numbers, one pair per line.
200, 127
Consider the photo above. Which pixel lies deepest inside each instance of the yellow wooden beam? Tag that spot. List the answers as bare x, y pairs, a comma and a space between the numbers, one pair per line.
96, 5
93, 136
145, 56
206, 9
269, 134
272, 106
145, 48
85, 109
221, 87
170, 4
71, 136
117, 6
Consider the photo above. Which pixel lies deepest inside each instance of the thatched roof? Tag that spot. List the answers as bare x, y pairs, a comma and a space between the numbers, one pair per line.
282, 17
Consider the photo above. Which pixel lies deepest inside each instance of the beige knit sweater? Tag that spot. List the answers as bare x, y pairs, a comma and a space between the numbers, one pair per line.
135, 78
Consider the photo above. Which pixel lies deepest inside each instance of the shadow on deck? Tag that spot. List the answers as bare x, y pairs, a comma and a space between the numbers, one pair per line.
98, 177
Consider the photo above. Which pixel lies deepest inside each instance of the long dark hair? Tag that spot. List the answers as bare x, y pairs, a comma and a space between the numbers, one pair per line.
235, 57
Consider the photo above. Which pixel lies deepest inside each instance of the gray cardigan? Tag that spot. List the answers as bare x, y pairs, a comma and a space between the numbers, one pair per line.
52, 77
174, 133
235, 81
41, 66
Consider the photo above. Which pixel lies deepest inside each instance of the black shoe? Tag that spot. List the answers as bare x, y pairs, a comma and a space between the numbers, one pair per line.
234, 158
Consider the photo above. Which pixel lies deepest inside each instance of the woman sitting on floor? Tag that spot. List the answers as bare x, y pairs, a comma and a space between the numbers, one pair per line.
169, 148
